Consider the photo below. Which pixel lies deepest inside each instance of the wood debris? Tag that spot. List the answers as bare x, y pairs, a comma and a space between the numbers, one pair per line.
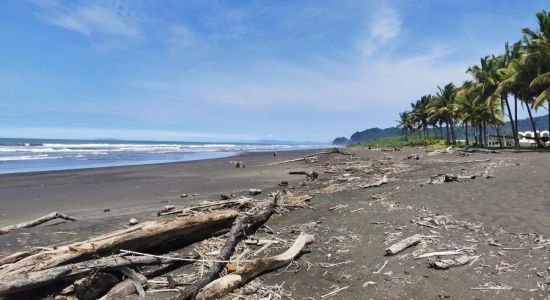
36, 222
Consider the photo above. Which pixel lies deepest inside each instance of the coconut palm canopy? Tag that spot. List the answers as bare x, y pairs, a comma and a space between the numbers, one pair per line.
522, 72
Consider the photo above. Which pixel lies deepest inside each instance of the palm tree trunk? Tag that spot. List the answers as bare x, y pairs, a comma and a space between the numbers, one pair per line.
441, 129
512, 123
485, 137
533, 125
451, 121
480, 135
516, 116
448, 136
466, 127
499, 137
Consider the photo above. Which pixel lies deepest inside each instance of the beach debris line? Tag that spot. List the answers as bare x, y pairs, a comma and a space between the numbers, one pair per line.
51, 216
311, 158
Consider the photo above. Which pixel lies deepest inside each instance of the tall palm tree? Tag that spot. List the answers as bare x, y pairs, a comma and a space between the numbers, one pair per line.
443, 107
487, 80
538, 47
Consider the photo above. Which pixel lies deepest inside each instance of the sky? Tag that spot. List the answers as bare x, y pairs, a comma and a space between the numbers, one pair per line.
200, 70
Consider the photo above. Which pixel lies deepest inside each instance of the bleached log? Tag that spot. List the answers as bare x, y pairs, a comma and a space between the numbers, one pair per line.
17, 256
145, 236
439, 253
242, 227
403, 244
378, 183
444, 264
36, 222
217, 288
124, 288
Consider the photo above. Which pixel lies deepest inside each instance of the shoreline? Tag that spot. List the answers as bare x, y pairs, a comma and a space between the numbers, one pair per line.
91, 190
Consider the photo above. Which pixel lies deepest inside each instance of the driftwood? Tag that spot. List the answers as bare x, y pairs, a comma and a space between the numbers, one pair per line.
310, 175
242, 227
224, 285
308, 158
135, 280
124, 288
218, 203
36, 222
477, 150
439, 253
17, 256
147, 235
378, 183
34, 279
90, 288
444, 264
403, 244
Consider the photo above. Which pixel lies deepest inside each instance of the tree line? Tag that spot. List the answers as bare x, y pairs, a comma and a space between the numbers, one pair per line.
521, 73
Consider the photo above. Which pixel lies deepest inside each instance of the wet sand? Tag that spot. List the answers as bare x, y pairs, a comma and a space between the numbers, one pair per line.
506, 207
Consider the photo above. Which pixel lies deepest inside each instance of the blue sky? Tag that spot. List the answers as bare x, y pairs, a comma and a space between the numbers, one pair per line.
236, 70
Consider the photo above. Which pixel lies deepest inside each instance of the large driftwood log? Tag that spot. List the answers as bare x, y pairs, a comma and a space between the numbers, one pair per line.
403, 244
222, 286
34, 279
36, 222
243, 226
147, 235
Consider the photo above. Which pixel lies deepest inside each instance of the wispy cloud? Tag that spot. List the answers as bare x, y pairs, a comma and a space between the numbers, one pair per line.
384, 26
95, 21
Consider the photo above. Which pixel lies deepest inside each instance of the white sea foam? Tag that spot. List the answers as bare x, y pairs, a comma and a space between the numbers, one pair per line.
28, 157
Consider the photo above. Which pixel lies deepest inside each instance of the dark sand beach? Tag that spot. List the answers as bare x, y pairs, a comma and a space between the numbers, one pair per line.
500, 218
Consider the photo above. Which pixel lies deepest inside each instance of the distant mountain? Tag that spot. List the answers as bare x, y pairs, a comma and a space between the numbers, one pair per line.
376, 133
340, 141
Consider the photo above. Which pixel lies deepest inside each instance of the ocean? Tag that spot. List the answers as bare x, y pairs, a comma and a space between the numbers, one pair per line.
31, 155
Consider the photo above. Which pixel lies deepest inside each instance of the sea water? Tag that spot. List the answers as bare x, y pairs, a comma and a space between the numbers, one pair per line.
28, 155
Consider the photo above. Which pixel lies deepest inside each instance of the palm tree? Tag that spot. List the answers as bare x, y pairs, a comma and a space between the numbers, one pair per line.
517, 78
442, 107
538, 46
487, 79
405, 122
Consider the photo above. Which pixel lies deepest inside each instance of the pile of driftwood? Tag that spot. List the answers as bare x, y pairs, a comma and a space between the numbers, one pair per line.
112, 266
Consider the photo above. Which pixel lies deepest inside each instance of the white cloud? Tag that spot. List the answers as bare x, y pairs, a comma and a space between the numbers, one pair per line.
384, 26
93, 20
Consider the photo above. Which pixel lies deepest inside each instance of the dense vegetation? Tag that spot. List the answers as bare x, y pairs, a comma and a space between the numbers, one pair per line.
482, 103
